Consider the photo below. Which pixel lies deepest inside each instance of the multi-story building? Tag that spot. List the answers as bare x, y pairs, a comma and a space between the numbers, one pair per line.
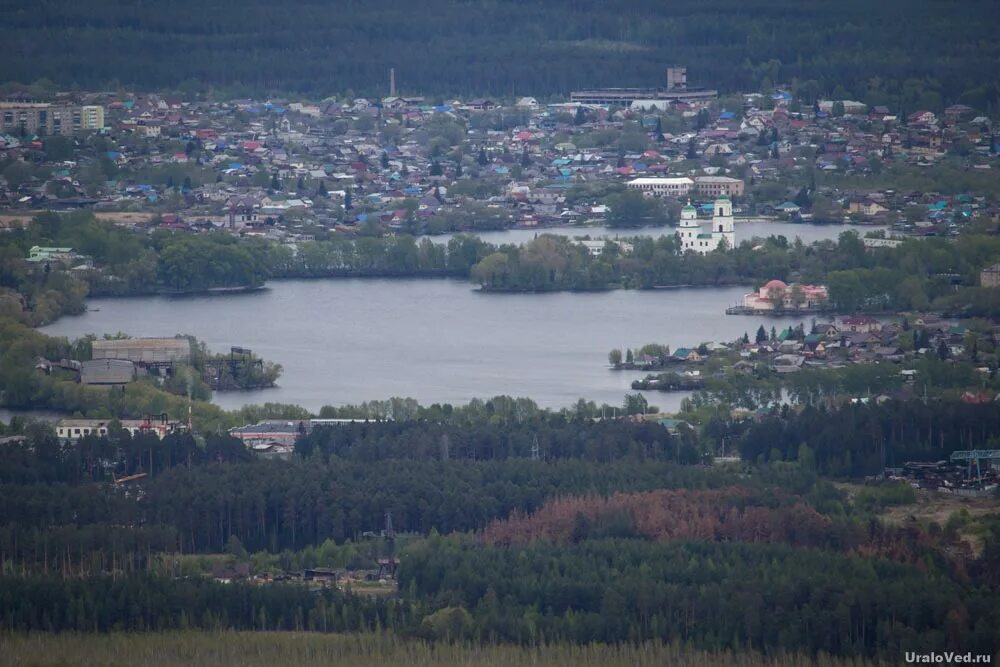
91, 117
662, 187
705, 236
49, 118
718, 186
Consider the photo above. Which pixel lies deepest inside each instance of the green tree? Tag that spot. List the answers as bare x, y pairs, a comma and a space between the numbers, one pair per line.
633, 209
635, 404
797, 296
692, 150
58, 148
846, 290
17, 173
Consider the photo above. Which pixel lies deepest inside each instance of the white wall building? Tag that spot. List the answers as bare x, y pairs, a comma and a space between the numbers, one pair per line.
71, 430
705, 236
669, 187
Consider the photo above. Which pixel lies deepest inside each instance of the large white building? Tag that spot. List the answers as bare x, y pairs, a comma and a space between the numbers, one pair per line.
662, 187
705, 236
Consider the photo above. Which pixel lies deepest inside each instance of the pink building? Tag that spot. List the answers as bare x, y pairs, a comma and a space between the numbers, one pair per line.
777, 295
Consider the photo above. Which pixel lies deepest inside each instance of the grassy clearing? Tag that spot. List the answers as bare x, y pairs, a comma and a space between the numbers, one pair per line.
938, 507
195, 649
963, 516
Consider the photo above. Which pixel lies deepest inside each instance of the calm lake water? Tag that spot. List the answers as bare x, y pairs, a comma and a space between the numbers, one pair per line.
345, 341
744, 231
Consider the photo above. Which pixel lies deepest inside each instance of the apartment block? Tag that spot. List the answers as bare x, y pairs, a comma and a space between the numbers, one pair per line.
47, 118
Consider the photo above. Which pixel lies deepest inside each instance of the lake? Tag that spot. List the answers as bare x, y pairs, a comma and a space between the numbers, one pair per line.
744, 231
346, 341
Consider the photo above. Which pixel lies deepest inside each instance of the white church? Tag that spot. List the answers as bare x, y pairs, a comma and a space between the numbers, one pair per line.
704, 236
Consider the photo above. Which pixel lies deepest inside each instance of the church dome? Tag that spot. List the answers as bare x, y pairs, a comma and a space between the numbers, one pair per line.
775, 284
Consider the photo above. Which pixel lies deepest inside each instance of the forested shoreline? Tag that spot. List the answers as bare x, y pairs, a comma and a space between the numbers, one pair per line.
918, 275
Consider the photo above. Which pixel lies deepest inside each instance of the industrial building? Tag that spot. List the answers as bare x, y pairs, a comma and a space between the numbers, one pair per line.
271, 433
147, 351
676, 90
276, 439
107, 372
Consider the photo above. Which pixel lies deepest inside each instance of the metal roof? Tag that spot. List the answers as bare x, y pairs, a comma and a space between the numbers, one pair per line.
143, 349
107, 371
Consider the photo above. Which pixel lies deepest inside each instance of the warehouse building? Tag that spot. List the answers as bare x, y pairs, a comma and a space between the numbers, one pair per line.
146, 351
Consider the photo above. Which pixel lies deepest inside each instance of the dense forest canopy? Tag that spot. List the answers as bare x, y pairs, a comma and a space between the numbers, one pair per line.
506, 47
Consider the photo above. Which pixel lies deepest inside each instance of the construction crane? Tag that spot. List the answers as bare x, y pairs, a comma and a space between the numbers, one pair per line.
973, 457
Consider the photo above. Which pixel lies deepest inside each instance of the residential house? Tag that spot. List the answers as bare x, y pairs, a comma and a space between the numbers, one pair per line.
860, 324
866, 207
